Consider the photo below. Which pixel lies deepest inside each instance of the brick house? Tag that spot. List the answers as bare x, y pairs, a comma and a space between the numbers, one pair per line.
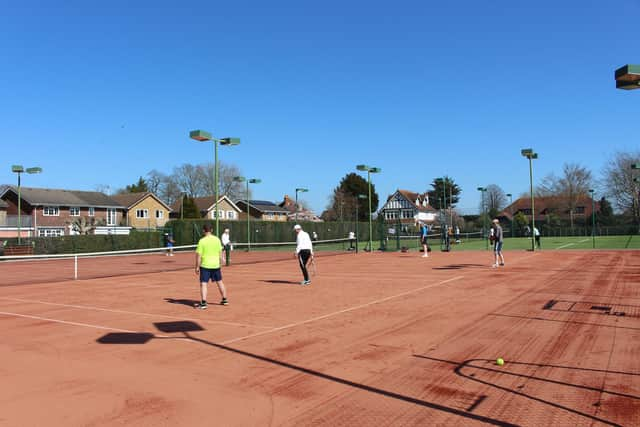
144, 210
408, 207
206, 206
263, 210
303, 214
545, 207
49, 212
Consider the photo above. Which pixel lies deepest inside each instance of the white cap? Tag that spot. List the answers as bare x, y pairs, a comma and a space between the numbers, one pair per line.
297, 227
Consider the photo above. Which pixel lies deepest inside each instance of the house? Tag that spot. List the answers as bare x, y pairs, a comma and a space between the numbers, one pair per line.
408, 207
144, 210
206, 206
263, 210
47, 212
300, 214
3, 212
546, 207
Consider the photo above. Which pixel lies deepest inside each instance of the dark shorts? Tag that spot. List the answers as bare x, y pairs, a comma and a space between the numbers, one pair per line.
214, 274
423, 240
498, 246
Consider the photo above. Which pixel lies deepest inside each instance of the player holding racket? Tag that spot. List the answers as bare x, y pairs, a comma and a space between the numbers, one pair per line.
304, 252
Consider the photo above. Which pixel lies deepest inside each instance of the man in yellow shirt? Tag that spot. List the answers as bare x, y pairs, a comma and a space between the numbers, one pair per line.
208, 255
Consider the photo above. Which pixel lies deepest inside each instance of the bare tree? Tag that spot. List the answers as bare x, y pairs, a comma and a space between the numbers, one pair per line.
189, 180
155, 181
619, 183
495, 199
226, 185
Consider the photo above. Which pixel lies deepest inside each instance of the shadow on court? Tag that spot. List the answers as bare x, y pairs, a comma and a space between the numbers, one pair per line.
483, 366
185, 327
281, 282
189, 302
458, 266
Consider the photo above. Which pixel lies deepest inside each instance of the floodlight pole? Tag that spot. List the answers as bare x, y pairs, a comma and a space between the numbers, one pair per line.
510, 196
19, 169
358, 197
530, 154
484, 218
299, 190
593, 218
201, 135
369, 170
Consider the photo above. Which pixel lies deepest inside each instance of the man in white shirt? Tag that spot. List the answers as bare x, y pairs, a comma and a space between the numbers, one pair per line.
226, 245
304, 252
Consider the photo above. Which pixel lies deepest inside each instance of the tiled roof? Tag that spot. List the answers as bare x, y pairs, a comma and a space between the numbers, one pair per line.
49, 196
543, 205
130, 199
263, 206
412, 197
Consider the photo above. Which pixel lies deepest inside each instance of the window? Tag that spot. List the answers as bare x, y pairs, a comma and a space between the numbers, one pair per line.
526, 211
159, 214
406, 214
220, 214
579, 210
51, 211
111, 216
50, 232
142, 213
92, 211
74, 211
231, 215
391, 215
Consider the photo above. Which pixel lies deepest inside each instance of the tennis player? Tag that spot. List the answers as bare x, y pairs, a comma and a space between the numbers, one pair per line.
226, 245
424, 232
497, 243
304, 252
208, 256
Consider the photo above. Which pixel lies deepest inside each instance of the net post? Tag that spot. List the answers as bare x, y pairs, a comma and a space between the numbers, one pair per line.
75, 267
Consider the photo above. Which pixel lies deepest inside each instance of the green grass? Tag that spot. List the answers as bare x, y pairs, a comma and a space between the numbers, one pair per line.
523, 243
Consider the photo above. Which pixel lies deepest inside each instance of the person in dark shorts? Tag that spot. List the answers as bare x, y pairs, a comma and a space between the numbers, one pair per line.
208, 256
497, 244
304, 252
424, 232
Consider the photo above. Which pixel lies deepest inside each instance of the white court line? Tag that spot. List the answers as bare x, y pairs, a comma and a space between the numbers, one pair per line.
346, 310
86, 325
574, 243
84, 307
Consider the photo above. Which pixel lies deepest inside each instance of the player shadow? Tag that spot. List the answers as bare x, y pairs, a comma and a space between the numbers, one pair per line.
281, 282
185, 327
458, 266
189, 302
473, 364
603, 325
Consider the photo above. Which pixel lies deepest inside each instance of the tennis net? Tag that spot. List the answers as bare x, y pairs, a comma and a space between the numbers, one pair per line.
34, 269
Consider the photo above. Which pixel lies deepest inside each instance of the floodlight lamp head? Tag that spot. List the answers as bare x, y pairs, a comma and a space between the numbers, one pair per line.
255, 181
230, 141
534, 156
34, 170
239, 179
482, 189
508, 194
363, 168
526, 152
375, 170
301, 190
17, 169
200, 135
635, 166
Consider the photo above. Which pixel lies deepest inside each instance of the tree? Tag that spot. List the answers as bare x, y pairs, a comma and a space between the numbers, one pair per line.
226, 185
189, 207
139, 187
342, 203
574, 184
618, 176
441, 186
605, 215
188, 178
495, 200
82, 225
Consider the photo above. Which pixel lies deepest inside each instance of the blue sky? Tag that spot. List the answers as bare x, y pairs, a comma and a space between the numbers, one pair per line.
100, 93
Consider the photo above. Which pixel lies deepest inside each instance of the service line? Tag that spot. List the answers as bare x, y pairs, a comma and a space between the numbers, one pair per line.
335, 313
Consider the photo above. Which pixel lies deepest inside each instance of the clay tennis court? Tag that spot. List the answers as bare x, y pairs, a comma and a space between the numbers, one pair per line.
377, 339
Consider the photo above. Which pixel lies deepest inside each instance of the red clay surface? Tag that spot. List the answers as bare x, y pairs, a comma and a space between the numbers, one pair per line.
377, 339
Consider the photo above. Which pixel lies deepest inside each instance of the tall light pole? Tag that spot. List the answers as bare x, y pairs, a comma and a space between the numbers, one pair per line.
531, 155
369, 170
593, 218
483, 190
203, 136
248, 181
299, 190
358, 197
19, 169
510, 196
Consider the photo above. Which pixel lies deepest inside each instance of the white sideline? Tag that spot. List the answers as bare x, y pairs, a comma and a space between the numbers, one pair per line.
335, 313
574, 243
86, 325
84, 307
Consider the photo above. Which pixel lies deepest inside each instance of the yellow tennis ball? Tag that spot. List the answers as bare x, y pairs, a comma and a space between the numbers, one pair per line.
500, 361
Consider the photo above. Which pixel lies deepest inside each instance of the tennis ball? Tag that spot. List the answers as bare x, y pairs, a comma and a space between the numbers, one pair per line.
500, 361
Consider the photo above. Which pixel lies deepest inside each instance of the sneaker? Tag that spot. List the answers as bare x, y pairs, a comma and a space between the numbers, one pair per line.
305, 282
502, 264
425, 256
201, 305
494, 265
224, 301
